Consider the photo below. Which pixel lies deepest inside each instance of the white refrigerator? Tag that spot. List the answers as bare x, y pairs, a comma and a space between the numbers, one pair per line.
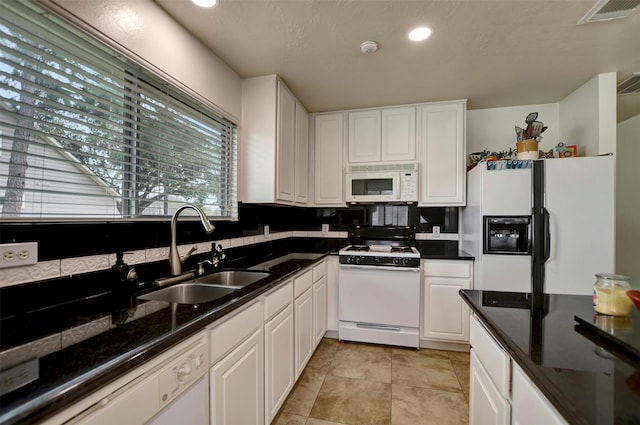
570, 206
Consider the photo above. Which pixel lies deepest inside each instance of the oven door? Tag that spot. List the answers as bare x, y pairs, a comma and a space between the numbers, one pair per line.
379, 295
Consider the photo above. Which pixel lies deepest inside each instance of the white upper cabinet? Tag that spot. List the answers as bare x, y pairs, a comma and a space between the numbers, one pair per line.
382, 135
328, 154
274, 144
285, 145
441, 145
364, 136
399, 134
301, 172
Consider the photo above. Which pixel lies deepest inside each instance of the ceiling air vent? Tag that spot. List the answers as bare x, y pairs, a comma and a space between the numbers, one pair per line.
631, 85
605, 10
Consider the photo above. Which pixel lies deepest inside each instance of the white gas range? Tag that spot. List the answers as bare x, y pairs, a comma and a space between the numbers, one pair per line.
379, 287
380, 255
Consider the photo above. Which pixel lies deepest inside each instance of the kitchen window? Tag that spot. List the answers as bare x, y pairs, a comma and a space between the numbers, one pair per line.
88, 134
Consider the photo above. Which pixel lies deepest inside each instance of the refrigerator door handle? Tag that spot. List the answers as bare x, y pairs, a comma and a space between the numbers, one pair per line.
547, 234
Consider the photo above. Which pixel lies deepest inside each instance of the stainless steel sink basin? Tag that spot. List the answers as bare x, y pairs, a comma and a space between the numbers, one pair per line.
188, 293
232, 278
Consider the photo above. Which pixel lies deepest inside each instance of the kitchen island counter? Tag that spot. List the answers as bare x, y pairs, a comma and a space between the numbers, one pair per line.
572, 368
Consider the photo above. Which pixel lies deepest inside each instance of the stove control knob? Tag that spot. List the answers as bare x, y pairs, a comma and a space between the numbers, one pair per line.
351, 260
397, 260
406, 260
377, 260
359, 260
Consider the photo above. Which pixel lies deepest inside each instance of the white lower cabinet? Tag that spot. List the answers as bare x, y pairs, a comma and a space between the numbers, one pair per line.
279, 349
500, 393
319, 302
333, 275
304, 340
237, 371
237, 385
445, 316
486, 406
529, 405
489, 377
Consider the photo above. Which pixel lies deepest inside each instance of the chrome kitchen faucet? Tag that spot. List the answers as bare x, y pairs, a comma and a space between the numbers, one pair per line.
175, 262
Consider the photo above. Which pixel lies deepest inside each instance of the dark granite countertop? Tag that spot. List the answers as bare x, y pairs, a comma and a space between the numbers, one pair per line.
446, 255
586, 379
102, 337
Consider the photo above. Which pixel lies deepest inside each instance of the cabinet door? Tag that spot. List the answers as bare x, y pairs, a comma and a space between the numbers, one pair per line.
329, 138
333, 267
319, 309
237, 385
529, 405
442, 155
304, 340
445, 315
279, 361
364, 136
399, 134
486, 404
301, 182
285, 163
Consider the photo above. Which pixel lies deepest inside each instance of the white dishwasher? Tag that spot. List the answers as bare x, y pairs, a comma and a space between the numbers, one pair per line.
170, 389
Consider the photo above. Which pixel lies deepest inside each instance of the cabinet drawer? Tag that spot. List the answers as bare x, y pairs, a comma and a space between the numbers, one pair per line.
227, 335
447, 268
278, 300
319, 271
492, 357
302, 283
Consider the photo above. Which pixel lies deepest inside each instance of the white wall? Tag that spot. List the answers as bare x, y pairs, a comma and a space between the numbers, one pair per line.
494, 129
628, 200
163, 46
588, 116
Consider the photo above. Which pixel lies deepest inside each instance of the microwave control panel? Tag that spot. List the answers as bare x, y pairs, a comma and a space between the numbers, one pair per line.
408, 186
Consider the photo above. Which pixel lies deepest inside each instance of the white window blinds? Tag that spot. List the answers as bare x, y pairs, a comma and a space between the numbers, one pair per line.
85, 133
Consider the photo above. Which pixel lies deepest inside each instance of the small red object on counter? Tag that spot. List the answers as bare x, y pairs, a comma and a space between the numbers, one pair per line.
635, 297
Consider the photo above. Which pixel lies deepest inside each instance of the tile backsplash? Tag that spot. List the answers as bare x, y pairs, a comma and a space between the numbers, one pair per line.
72, 266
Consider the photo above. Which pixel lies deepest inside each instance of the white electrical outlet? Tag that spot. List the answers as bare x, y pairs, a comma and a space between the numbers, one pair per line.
325, 228
18, 254
436, 231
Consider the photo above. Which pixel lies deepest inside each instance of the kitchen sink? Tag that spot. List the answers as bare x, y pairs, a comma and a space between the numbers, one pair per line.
188, 293
232, 278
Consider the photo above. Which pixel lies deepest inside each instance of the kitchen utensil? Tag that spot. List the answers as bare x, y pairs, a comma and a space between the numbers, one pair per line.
519, 133
535, 129
531, 117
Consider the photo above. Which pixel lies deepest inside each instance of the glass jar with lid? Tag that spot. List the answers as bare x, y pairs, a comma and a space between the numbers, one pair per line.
610, 294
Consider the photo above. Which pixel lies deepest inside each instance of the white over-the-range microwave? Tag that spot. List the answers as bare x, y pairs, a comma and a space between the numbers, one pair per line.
382, 182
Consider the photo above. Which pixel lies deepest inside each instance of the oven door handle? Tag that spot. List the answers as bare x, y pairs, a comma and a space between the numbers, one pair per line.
395, 269
380, 327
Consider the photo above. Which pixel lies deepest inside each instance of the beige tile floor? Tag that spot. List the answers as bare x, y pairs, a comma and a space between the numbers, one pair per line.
364, 384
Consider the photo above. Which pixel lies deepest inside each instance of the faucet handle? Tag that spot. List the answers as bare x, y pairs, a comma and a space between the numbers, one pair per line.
188, 254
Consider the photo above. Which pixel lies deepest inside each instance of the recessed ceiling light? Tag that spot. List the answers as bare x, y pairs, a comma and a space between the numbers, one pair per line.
205, 3
419, 33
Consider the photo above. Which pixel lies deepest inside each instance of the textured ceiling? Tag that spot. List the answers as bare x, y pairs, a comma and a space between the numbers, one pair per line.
493, 53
